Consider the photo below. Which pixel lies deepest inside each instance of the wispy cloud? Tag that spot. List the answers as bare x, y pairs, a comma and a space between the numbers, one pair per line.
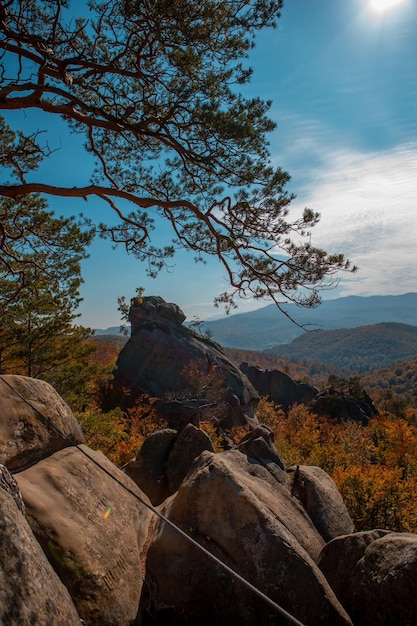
368, 207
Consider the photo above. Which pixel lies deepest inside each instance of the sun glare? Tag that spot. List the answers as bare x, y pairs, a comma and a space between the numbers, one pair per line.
382, 6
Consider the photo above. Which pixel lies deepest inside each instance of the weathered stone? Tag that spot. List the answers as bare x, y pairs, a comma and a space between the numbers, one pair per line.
148, 469
159, 348
30, 410
278, 387
339, 557
236, 509
190, 443
259, 444
8, 483
30, 591
381, 587
91, 529
321, 499
335, 404
153, 308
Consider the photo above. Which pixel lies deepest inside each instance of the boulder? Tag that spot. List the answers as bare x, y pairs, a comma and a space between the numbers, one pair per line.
321, 499
149, 468
30, 412
160, 347
92, 530
259, 444
165, 459
30, 590
375, 576
236, 509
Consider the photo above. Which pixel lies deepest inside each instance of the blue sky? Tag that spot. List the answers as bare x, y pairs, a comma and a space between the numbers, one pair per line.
343, 80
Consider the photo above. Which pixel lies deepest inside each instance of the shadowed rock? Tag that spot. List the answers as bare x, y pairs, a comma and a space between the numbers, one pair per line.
321, 499
236, 509
92, 531
148, 469
189, 444
27, 432
278, 387
374, 575
30, 590
8, 483
165, 459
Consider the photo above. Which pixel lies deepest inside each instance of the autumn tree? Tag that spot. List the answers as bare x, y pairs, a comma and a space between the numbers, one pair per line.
153, 90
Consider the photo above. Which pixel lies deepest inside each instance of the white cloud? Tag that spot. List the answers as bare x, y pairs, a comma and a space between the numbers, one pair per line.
368, 207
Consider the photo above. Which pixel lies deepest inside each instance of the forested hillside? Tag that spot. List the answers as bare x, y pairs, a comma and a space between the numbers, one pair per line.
398, 381
305, 370
361, 349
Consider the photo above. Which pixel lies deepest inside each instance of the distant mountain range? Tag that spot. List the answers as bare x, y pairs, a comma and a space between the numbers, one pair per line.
267, 327
112, 330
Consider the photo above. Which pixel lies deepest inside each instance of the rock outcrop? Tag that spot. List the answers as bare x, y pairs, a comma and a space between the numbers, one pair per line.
278, 387
79, 544
31, 416
338, 405
237, 510
321, 499
154, 358
165, 459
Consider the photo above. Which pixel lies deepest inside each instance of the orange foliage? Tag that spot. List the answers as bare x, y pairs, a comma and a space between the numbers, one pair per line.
378, 497
106, 353
119, 434
374, 466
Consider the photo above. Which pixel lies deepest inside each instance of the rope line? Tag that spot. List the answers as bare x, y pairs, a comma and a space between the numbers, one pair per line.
161, 516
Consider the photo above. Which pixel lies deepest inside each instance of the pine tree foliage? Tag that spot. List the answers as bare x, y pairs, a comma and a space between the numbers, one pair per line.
153, 88
39, 293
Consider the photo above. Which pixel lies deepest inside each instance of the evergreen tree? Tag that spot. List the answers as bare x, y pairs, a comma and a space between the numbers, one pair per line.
39, 293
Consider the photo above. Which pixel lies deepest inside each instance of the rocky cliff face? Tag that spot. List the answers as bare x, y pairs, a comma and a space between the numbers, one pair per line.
155, 357
80, 545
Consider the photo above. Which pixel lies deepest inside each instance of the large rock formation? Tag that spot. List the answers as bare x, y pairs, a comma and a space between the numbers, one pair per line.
165, 459
321, 499
77, 538
160, 347
336, 404
374, 575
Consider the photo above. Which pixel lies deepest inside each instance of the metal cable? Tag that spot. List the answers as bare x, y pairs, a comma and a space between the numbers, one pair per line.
227, 568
